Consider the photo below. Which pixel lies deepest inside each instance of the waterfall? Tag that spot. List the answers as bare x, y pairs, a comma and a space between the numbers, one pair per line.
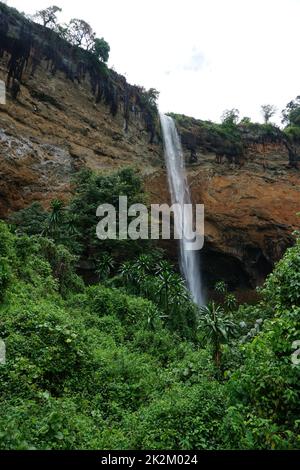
189, 260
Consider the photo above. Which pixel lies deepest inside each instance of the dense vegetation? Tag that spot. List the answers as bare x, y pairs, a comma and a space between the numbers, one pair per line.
129, 362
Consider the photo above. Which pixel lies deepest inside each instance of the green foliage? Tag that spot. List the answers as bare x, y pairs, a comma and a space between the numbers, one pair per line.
230, 138
221, 287
217, 328
80, 371
158, 282
101, 49
6, 255
132, 311
74, 226
133, 363
230, 117
44, 347
264, 390
186, 417
92, 190
292, 132
106, 265
47, 423
245, 121
31, 220
291, 114
148, 101
77, 32
282, 287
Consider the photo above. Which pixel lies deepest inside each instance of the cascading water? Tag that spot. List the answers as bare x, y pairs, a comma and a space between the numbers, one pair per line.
180, 194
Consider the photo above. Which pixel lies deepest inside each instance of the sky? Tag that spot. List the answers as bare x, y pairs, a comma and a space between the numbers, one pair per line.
204, 56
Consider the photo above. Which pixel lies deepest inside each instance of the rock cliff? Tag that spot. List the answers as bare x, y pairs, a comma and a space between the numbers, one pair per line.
63, 112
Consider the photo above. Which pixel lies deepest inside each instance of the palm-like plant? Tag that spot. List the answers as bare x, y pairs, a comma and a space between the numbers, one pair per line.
164, 266
178, 291
55, 219
164, 286
127, 273
217, 327
230, 302
106, 265
71, 224
170, 287
144, 263
221, 287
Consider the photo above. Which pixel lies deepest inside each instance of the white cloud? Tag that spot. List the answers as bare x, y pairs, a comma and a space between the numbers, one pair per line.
203, 55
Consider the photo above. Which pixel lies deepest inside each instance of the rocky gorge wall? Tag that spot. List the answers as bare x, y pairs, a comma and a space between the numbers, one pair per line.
62, 113
250, 214
60, 117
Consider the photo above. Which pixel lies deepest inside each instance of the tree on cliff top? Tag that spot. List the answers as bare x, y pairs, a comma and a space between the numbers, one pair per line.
77, 32
291, 114
101, 49
230, 116
80, 34
48, 16
268, 110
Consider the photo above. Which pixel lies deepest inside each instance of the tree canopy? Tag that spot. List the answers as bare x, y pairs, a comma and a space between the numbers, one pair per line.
77, 32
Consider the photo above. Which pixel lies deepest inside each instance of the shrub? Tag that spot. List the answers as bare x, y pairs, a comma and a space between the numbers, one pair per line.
133, 312
184, 418
282, 287
47, 423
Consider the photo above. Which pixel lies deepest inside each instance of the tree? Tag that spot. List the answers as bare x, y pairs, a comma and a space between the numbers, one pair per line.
221, 287
228, 300
55, 220
105, 266
217, 327
245, 121
145, 263
48, 16
152, 96
101, 49
291, 113
31, 220
230, 116
80, 34
268, 110
127, 272
168, 283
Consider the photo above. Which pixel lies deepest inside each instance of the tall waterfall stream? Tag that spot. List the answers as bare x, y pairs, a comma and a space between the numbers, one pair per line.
189, 260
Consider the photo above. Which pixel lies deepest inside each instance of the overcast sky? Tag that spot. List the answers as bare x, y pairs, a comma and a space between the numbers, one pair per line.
202, 55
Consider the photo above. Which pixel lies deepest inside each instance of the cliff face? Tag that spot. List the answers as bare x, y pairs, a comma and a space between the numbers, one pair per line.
249, 185
250, 189
250, 213
63, 114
